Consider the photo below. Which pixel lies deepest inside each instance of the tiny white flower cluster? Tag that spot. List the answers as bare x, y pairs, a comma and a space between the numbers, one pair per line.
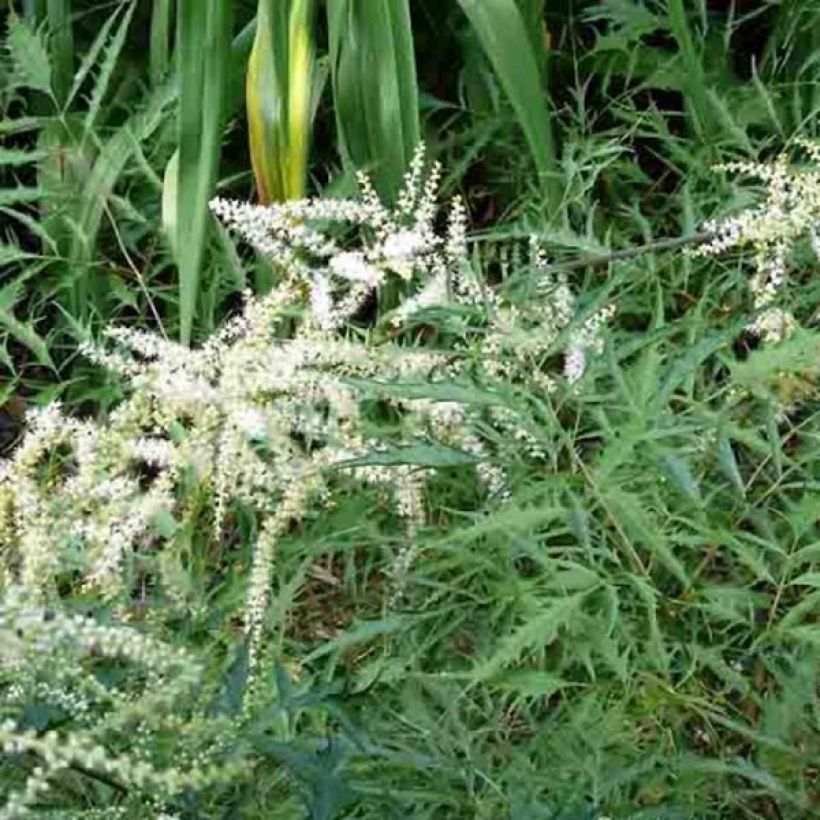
267, 413
790, 212
47, 656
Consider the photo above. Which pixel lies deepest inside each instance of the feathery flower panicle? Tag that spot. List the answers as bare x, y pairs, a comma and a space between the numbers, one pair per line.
108, 727
790, 212
270, 415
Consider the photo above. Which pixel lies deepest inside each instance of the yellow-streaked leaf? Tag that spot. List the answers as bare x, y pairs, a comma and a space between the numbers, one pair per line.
278, 95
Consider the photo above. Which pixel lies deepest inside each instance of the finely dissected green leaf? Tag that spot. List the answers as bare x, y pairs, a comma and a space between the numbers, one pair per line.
531, 683
12, 253
29, 55
728, 463
423, 455
32, 225
20, 124
18, 156
639, 525
373, 74
26, 335
508, 47
539, 631
279, 91
204, 44
693, 357
90, 57
111, 54
681, 474
11, 196
89, 207
798, 355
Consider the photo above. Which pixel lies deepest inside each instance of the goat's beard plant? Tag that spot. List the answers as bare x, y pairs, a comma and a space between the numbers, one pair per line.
375, 316
272, 418
274, 414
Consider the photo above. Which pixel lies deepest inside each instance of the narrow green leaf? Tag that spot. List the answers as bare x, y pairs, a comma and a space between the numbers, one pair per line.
159, 62
423, 455
437, 391
18, 156
204, 47
807, 579
361, 632
87, 210
170, 191
728, 463
508, 47
280, 97
12, 253
693, 75
11, 196
20, 124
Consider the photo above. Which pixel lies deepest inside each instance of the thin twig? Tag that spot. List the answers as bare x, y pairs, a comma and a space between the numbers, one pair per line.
135, 270
603, 260
631, 253
100, 777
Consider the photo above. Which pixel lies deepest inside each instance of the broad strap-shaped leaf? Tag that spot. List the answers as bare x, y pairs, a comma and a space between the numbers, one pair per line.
279, 93
500, 29
374, 87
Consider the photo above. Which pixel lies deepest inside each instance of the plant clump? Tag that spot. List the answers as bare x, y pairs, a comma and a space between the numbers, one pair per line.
275, 412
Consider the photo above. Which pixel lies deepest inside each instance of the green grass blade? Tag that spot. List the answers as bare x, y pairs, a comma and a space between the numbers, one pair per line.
694, 78
204, 42
170, 189
159, 58
503, 36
